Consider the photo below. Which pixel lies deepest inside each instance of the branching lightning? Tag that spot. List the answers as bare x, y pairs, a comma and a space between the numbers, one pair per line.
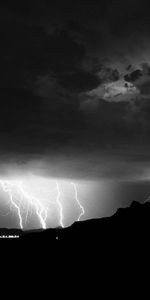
17, 208
16, 187
24, 204
78, 202
59, 205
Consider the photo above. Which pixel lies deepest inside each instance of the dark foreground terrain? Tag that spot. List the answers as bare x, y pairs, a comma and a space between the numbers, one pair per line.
127, 227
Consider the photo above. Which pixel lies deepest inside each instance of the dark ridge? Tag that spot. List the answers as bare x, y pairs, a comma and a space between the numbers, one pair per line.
127, 228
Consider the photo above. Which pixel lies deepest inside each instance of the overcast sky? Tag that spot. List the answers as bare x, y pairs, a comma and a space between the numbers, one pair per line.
75, 88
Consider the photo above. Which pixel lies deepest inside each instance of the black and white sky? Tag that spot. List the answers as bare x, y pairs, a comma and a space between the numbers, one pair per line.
75, 89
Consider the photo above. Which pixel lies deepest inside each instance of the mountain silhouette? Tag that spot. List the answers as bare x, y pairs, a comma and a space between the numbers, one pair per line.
127, 228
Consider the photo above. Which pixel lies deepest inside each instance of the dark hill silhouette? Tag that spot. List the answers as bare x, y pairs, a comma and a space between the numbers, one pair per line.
127, 227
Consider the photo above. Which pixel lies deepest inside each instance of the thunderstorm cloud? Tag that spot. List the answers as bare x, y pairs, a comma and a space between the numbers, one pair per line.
75, 89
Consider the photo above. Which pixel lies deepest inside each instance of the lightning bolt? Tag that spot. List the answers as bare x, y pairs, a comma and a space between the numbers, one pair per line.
78, 202
7, 187
59, 205
25, 204
17, 208
41, 211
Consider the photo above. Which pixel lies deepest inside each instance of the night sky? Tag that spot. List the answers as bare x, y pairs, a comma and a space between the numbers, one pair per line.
75, 97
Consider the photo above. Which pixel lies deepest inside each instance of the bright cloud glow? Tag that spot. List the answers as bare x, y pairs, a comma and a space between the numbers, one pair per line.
116, 91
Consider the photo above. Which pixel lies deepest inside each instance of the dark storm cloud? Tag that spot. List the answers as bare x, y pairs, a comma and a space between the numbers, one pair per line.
27, 53
31, 123
133, 76
114, 121
51, 55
